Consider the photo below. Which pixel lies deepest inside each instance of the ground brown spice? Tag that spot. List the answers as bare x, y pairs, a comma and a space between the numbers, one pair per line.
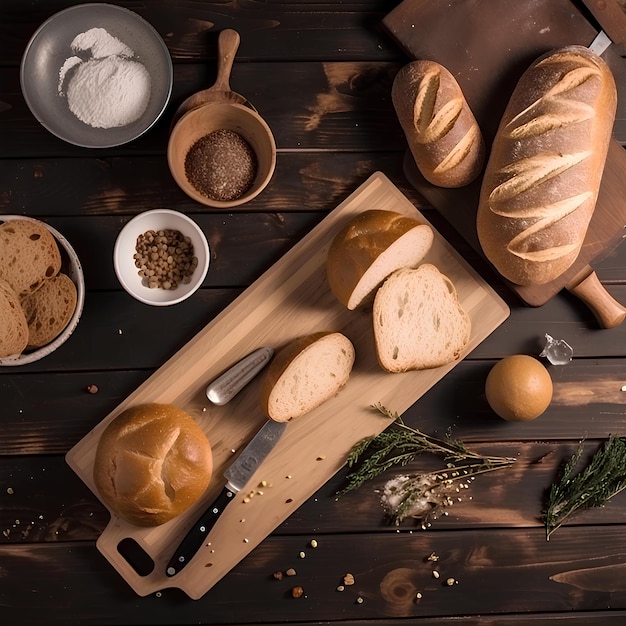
221, 165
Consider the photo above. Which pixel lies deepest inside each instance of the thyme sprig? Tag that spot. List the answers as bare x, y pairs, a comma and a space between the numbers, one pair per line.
417, 495
593, 486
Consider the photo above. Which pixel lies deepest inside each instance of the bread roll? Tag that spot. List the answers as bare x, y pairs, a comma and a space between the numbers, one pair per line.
544, 171
440, 128
306, 373
369, 248
13, 325
29, 255
418, 320
152, 463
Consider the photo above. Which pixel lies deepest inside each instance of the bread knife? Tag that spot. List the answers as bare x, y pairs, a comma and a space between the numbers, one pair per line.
611, 18
237, 476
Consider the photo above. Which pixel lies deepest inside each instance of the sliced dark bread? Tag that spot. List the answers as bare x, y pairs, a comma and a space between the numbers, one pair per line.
29, 255
418, 320
306, 373
13, 326
49, 310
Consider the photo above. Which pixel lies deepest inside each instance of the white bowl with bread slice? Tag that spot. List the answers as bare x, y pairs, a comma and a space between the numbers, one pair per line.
42, 290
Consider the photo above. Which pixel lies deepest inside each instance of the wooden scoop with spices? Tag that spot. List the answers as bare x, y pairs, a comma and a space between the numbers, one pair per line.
227, 45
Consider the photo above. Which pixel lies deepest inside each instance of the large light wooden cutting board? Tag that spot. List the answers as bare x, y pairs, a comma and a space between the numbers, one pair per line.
289, 300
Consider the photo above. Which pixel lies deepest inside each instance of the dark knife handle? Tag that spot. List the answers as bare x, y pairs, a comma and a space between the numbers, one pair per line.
195, 537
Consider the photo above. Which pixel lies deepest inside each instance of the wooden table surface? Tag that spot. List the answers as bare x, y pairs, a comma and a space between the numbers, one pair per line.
320, 74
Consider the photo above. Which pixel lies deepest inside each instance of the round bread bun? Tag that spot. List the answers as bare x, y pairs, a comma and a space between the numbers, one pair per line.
519, 388
369, 248
152, 463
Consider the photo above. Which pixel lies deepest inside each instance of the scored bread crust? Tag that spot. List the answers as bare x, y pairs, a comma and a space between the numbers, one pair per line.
13, 325
370, 247
29, 255
305, 373
418, 320
152, 463
440, 128
49, 310
543, 176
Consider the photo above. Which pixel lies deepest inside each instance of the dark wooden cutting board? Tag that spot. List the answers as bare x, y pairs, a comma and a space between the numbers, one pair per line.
487, 45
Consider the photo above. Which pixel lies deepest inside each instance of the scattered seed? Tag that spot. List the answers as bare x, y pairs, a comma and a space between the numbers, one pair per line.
340, 588
301, 555
10, 491
288, 500
313, 543
321, 457
450, 582
435, 574
418, 596
92, 388
348, 579
297, 591
359, 600
246, 540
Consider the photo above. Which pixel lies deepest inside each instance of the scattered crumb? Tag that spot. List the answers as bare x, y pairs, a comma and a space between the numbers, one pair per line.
297, 591
10, 491
278, 575
290, 572
340, 588
348, 579
92, 388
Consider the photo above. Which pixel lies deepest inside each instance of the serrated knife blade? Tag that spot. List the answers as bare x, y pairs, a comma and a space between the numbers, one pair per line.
237, 476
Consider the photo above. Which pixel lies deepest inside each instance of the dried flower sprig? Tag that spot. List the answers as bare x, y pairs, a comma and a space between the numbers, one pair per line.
593, 486
425, 495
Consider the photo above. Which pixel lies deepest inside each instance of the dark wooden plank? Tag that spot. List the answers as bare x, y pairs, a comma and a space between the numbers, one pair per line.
499, 571
269, 31
587, 402
303, 181
44, 501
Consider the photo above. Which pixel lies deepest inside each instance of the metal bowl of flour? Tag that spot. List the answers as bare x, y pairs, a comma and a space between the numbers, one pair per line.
75, 49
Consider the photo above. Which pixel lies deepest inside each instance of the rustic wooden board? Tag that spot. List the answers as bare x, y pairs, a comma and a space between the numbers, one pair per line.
488, 68
289, 300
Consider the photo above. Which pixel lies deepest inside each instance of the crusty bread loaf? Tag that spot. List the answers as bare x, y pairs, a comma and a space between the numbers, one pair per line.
13, 326
418, 320
370, 247
29, 255
152, 462
440, 128
542, 179
306, 373
49, 309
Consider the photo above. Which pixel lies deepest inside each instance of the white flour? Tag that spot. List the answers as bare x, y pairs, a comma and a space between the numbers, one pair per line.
107, 89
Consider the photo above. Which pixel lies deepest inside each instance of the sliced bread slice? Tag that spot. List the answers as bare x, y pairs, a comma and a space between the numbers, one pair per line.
29, 255
371, 246
306, 373
49, 310
418, 320
13, 326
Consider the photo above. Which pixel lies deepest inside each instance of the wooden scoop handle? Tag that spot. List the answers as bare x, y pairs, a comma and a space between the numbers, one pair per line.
227, 45
608, 311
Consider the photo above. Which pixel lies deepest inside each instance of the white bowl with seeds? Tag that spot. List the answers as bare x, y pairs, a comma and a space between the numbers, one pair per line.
161, 257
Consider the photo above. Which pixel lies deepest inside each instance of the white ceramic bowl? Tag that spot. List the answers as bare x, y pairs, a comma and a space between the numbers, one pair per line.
71, 266
50, 47
125, 248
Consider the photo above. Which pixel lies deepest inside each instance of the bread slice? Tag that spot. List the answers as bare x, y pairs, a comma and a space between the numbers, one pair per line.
418, 320
49, 310
29, 255
370, 247
13, 326
306, 373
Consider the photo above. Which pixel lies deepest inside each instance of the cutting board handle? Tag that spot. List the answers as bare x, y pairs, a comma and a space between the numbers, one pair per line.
608, 311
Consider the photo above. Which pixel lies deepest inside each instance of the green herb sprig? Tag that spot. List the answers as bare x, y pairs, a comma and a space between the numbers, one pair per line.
593, 486
421, 495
